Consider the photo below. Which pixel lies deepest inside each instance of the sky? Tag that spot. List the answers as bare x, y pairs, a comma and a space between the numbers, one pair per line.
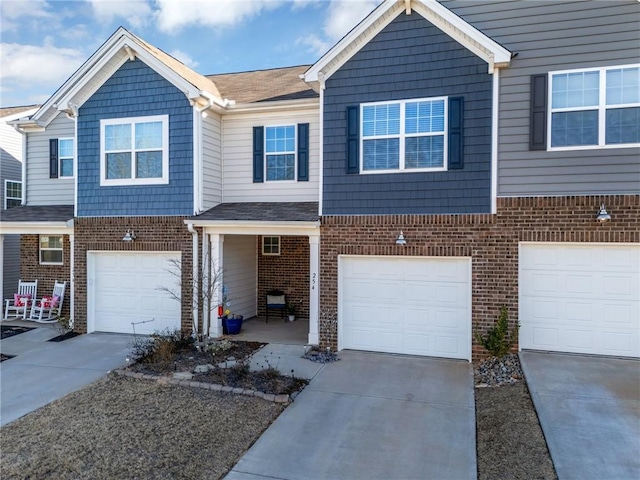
42, 42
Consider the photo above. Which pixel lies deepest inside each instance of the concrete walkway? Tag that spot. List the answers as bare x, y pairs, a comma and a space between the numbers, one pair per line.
589, 410
44, 371
373, 416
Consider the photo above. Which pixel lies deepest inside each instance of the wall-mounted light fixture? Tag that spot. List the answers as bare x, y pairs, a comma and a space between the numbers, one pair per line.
400, 240
603, 216
130, 236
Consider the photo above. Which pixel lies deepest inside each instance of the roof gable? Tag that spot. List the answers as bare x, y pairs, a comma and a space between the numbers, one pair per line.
468, 36
119, 48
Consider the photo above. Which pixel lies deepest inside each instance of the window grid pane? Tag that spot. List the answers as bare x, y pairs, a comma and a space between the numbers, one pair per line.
572, 90
574, 128
381, 154
148, 135
117, 137
622, 126
149, 165
118, 165
424, 117
623, 86
281, 167
280, 139
424, 152
13, 190
381, 120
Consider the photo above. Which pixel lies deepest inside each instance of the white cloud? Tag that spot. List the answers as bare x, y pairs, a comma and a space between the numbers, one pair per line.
13, 10
314, 44
343, 15
184, 58
173, 16
29, 65
135, 12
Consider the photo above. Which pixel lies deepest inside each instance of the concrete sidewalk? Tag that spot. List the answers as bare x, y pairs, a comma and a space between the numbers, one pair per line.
373, 416
43, 371
589, 411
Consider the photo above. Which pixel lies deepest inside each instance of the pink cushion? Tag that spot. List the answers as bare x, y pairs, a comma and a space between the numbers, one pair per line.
19, 299
49, 302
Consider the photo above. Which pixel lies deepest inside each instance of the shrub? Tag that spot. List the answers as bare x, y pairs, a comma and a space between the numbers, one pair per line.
498, 340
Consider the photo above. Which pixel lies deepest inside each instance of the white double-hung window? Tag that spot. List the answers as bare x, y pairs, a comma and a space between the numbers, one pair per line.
134, 151
405, 135
598, 107
280, 152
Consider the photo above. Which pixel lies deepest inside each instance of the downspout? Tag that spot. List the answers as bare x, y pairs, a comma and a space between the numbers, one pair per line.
494, 140
194, 305
321, 144
23, 200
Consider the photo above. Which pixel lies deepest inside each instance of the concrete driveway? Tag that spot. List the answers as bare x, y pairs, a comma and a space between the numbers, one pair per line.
44, 371
373, 416
589, 410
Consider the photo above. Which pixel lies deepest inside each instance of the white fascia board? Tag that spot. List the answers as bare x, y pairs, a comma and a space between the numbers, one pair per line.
79, 74
441, 17
239, 227
37, 228
191, 91
312, 75
288, 105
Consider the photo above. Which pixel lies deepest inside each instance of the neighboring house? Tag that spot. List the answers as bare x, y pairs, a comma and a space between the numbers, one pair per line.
11, 196
488, 134
442, 160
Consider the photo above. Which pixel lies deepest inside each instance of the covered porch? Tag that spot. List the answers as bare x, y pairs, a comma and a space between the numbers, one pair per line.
47, 239
255, 248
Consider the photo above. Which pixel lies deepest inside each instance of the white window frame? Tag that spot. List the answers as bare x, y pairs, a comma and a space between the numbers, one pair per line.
6, 192
104, 181
402, 136
295, 153
61, 250
72, 158
271, 253
601, 108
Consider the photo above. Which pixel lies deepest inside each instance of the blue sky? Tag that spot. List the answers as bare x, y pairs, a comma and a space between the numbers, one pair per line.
44, 42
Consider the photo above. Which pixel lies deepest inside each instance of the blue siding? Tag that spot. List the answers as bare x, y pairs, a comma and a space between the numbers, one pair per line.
136, 90
410, 58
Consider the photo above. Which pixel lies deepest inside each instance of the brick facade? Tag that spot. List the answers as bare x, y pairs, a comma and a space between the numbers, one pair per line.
288, 272
30, 268
490, 240
154, 234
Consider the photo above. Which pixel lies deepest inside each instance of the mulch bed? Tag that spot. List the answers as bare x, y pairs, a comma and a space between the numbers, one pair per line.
64, 336
509, 441
235, 353
7, 331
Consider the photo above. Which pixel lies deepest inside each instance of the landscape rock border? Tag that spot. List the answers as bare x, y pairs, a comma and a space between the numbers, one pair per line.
215, 387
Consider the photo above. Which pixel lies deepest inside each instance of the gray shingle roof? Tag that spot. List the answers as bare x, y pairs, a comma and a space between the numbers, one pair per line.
38, 213
262, 212
264, 85
7, 111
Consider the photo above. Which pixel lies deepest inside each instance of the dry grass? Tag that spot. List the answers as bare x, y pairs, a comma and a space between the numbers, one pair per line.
119, 428
510, 442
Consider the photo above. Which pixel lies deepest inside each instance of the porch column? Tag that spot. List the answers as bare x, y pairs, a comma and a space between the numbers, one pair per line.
314, 289
216, 269
2, 272
206, 308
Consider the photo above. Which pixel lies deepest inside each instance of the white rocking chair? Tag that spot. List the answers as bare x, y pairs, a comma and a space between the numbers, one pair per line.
47, 309
18, 306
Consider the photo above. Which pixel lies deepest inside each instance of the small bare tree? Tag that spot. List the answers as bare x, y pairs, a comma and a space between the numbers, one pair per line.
205, 288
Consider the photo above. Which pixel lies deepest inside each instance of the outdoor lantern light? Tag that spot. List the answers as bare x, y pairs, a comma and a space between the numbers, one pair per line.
603, 216
130, 236
400, 240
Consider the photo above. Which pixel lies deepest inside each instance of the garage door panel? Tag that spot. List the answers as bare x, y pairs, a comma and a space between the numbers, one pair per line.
123, 289
594, 310
418, 306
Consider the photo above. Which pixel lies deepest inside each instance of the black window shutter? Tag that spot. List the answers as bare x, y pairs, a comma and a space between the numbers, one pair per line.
53, 158
258, 154
353, 140
303, 152
456, 154
538, 113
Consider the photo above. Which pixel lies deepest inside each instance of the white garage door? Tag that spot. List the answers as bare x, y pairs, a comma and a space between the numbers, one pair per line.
580, 298
123, 288
417, 306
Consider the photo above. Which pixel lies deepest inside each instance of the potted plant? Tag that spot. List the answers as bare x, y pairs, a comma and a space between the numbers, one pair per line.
232, 322
291, 311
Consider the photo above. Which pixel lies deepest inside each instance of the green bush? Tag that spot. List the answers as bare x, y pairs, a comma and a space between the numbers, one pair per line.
498, 340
